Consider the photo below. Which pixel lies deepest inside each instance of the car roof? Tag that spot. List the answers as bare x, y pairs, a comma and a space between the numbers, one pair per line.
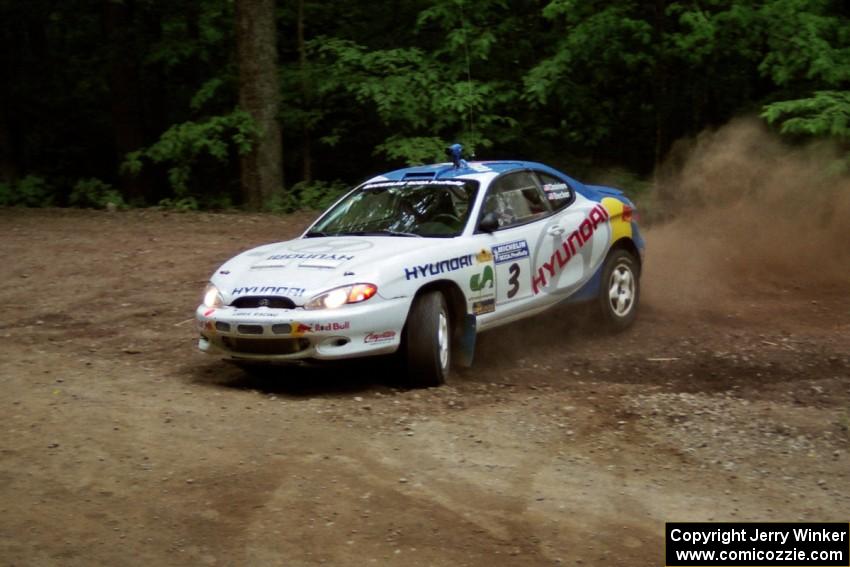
449, 171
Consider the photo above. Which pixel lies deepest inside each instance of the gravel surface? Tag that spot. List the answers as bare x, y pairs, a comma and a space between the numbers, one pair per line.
123, 445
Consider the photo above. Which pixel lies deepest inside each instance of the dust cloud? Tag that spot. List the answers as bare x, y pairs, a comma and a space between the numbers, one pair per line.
738, 213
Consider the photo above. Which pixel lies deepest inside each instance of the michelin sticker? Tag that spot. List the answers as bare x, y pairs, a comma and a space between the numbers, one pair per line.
510, 251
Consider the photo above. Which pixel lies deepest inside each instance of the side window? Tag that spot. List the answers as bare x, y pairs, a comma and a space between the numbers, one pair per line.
516, 199
557, 192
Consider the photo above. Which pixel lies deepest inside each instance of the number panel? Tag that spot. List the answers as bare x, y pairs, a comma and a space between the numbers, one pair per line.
513, 271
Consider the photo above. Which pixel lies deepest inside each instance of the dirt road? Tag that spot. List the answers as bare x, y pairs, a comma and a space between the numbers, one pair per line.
122, 445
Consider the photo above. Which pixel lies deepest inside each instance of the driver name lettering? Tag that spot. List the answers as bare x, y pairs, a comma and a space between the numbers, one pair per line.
338, 257
437, 268
272, 290
555, 187
569, 247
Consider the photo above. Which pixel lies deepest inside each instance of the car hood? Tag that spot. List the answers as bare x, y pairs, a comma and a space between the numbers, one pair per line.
302, 268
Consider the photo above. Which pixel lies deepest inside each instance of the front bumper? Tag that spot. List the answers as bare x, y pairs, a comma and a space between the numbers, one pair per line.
280, 335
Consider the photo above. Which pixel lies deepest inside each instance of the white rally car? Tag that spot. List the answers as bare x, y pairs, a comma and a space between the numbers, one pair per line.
418, 260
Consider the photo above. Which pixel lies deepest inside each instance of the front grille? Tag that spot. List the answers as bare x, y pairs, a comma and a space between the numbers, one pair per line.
263, 301
250, 329
265, 346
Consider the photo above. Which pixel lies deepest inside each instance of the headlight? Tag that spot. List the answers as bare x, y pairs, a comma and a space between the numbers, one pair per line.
342, 295
212, 298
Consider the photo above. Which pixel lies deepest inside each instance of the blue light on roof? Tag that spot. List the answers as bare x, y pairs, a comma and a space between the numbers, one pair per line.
455, 152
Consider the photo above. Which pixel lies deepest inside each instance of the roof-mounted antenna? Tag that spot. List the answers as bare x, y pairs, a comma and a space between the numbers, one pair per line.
469, 111
455, 152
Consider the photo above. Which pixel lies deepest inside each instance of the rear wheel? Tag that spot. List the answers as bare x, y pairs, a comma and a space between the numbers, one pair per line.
619, 293
428, 341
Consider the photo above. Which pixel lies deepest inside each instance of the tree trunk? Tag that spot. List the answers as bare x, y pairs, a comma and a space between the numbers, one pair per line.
8, 170
10, 143
306, 156
125, 98
259, 95
660, 84
661, 96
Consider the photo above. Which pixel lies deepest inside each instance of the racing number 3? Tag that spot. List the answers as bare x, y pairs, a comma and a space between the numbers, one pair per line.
513, 280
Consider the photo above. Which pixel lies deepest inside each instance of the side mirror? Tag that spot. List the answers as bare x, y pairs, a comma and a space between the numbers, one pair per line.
489, 223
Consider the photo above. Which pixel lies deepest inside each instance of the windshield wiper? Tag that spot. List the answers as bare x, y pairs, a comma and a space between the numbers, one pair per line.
315, 233
383, 231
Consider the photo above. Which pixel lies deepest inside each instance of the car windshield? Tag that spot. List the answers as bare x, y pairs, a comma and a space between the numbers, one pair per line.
401, 208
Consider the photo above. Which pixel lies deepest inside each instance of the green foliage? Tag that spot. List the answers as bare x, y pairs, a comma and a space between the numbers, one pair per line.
181, 205
633, 185
826, 113
807, 42
596, 37
317, 195
712, 36
410, 93
206, 93
94, 193
183, 144
215, 201
190, 32
603, 49
414, 150
578, 83
31, 191
282, 202
426, 98
462, 23
810, 47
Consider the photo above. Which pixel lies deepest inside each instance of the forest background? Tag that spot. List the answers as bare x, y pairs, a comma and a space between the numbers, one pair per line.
281, 105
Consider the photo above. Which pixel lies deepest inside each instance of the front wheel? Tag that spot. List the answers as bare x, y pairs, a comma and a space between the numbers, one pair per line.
428, 341
619, 293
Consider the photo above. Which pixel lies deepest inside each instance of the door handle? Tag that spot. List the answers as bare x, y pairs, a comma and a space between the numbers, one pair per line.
555, 230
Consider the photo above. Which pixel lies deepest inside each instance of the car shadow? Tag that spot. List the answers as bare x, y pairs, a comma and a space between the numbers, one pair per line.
342, 379
567, 329
562, 327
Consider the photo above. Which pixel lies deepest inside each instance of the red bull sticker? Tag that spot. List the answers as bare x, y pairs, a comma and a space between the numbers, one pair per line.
299, 329
621, 216
336, 326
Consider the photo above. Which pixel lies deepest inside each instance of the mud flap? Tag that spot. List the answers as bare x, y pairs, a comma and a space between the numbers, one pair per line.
466, 344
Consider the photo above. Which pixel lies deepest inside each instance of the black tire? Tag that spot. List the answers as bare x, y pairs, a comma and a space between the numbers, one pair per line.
619, 292
428, 341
